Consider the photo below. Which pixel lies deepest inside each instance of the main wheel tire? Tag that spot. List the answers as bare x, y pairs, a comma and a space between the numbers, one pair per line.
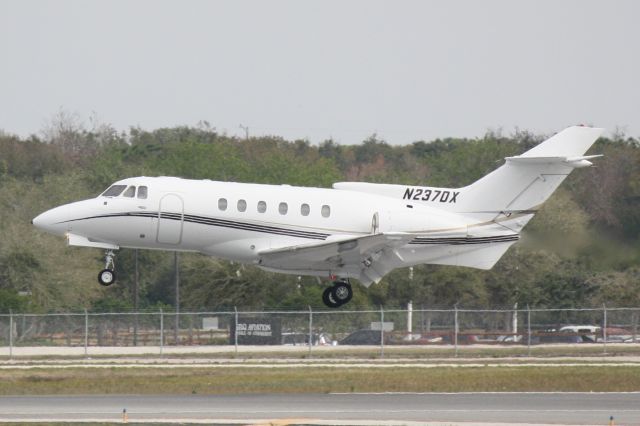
328, 299
106, 277
342, 292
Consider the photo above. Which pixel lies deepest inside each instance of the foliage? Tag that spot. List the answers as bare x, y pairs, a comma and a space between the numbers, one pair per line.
581, 249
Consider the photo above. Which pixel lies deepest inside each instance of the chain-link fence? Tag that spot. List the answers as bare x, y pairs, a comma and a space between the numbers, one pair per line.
454, 328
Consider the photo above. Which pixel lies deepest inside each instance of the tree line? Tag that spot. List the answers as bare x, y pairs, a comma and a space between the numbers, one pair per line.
582, 249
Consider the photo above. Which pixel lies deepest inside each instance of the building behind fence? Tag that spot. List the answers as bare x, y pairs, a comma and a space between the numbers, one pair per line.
367, 327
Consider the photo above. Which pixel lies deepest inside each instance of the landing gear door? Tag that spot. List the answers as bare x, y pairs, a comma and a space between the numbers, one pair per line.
170, 219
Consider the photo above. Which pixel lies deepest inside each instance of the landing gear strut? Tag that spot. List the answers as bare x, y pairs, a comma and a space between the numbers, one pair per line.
338, 294
107, 276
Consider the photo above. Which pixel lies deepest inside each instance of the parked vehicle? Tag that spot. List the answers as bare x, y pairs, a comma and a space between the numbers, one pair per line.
569, 338
463, 339
582, 329
563, 336
619, 335
510, 338
296, 339
364, 337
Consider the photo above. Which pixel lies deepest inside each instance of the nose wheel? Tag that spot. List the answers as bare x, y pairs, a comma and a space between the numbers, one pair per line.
107, 276
340, 293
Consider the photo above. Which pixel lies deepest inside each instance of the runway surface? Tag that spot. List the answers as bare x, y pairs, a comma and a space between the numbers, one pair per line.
488, 408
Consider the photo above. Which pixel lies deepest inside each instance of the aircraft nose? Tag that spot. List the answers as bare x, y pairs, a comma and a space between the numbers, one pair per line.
41, 221
50, 221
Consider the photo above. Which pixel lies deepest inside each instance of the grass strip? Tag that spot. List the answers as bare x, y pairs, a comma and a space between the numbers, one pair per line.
317, 380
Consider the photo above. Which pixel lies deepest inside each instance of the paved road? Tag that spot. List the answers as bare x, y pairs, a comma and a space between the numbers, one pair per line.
551, 408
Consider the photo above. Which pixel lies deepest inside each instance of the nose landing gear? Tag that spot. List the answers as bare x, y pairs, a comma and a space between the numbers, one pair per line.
107, 276
340, 293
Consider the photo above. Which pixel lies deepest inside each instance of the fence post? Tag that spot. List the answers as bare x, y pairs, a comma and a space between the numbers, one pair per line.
528, 331
136, 298
381, 332
455, 329
176, 331
410, 320
86, 333
235, 330
604, 329
310, 330
10, 333
135, 327
161, 331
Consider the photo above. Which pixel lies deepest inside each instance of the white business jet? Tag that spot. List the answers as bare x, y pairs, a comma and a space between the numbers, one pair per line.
355, 230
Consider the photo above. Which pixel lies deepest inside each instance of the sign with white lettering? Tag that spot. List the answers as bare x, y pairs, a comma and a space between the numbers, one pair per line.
256, 331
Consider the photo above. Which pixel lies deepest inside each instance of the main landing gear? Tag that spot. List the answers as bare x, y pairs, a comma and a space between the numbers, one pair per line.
338, 294
107, 276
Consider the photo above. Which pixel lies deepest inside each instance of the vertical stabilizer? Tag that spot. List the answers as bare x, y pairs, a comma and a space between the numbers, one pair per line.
511, 194
518, 188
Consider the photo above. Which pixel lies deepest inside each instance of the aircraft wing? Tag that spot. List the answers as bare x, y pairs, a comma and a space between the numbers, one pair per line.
367, 257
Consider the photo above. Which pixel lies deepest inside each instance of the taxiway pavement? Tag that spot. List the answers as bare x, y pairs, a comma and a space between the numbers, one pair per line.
387, 408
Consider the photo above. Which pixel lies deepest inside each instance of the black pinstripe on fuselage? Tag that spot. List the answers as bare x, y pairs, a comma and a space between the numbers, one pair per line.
275, 230
204, 220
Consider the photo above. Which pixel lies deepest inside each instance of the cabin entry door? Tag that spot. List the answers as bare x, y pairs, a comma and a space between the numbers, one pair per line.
170, 219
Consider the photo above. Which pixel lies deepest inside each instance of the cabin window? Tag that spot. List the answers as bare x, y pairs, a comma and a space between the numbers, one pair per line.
305, 209
222, 204
130, 192
325, 211
262, 206
283, 208
114, 191
242, 205
142, 192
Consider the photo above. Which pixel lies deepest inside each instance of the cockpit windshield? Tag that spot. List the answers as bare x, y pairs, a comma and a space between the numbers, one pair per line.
114, 191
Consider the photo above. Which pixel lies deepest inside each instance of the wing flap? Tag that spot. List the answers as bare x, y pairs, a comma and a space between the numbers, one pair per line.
353, 254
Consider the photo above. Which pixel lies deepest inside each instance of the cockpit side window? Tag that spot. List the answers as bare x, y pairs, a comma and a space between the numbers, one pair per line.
142, 192
130, 192
114, 191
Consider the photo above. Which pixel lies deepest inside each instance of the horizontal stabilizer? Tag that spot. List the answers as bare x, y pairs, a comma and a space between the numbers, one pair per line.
574, 162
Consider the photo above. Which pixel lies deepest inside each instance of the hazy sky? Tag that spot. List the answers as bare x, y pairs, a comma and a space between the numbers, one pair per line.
407, 70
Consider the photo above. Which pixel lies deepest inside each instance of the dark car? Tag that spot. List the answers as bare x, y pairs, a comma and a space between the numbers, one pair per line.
362, 337
561, 338
463, 339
